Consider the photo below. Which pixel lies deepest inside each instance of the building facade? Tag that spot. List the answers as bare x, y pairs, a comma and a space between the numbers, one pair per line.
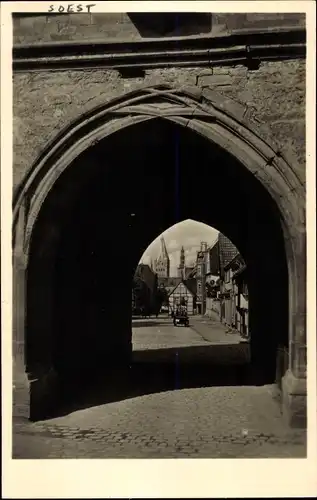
235, 80
213, 280
182, 295
226, 285
201, 279
241, 297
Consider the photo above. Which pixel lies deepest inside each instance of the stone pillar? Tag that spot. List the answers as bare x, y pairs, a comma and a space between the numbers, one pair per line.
34, 384
294, 384
21, 393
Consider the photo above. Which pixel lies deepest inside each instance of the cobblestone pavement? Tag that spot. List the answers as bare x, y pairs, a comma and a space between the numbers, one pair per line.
204, 339
198, 422
214, 332
161, 334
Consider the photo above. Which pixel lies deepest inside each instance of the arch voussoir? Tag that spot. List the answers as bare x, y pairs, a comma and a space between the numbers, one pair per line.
158, 101
206, 113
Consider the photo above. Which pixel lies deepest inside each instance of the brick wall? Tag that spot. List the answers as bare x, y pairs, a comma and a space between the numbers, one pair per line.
45, 102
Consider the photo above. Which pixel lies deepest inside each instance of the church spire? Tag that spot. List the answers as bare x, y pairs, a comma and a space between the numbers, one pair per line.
181, 267
182, 258
162, 264
164, 252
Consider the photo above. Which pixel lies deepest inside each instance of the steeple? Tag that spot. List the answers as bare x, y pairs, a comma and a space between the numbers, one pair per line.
164, 252
182, 258
162, 264
181, 267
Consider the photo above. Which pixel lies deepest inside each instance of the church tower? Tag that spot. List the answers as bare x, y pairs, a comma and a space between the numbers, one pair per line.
162, 263
181, 267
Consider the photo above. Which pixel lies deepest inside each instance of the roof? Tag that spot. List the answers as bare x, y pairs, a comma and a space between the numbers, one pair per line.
238, 266
192, 273
145, 273
237, 259
214, 258
191, 284
186, 284
227, 250
143, 267
221, 254
240, 271
168, 282
188, 271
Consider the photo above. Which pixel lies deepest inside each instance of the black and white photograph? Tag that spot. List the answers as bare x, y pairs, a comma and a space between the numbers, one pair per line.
159, 239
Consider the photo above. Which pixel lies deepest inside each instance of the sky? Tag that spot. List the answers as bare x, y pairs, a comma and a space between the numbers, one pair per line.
189, 234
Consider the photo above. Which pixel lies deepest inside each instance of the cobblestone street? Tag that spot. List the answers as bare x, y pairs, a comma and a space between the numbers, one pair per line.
228, 421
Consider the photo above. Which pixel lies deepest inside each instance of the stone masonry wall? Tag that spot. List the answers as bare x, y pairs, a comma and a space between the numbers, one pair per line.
120, 26
46, 102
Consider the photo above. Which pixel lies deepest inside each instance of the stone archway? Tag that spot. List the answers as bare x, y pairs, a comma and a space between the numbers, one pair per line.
221, 122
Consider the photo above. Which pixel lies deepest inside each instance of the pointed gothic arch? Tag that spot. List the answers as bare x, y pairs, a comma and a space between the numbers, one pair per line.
206, 113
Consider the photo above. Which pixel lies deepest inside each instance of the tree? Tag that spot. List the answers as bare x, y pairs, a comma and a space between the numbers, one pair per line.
142, 295
161, 298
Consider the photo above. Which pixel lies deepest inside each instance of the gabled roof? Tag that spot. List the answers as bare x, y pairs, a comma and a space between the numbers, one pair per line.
145, 273
186, 286
191, 284
143, 268
227, 250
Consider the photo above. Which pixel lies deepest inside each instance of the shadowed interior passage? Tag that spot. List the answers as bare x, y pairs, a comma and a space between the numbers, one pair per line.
85, 246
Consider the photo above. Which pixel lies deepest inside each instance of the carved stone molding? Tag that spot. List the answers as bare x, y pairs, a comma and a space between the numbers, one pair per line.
244, 48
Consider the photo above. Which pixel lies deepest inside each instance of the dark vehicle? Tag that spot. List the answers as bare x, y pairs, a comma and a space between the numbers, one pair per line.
180, 317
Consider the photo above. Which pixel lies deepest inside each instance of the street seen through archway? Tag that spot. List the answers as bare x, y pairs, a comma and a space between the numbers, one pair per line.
159, 237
